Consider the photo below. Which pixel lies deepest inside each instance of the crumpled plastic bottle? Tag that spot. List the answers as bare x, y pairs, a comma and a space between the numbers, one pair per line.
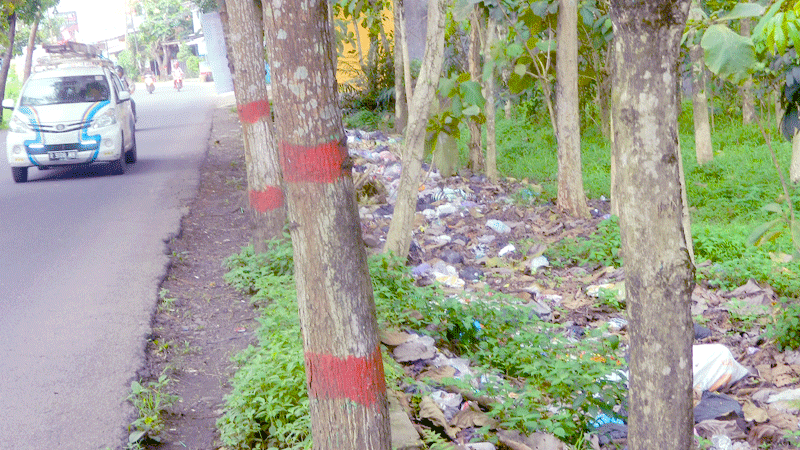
721, 442
498, 226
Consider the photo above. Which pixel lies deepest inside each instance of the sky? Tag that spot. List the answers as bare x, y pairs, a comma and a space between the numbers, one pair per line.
97, 19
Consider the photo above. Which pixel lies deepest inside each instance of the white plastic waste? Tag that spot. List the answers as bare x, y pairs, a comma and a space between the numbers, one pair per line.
714, 367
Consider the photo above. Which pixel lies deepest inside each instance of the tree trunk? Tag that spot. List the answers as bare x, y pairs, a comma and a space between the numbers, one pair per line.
476, 161
398, 240
400, 24
344, 366
489, 108
245, 37
401, 101
748, 101
702, 129
12, 22
571, 197
659, 275
794, 165
29, 55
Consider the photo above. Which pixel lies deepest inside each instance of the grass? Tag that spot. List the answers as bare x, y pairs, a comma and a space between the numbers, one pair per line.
553, 379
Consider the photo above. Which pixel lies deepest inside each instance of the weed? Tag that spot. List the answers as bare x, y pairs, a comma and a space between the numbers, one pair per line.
151, 400
161, 347
166, 303
601, 248
785, 328
612, 298
179, 258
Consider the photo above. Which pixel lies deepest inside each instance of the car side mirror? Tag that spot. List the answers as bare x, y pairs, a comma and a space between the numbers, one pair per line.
9, 103
124, 95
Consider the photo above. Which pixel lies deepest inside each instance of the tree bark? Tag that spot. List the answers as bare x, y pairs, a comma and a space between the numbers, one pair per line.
476, 161
702, 128
401, 100
748, 101
344, 366
12, 22
489, 109
400, 24
571, 197
398, 240
29, 55
265, 195
794, 165
659, 275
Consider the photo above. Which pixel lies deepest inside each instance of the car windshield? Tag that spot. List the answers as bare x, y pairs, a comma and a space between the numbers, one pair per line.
65, 89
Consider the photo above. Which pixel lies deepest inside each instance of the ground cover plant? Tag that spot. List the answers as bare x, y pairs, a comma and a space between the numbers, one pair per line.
535, 362
558, 384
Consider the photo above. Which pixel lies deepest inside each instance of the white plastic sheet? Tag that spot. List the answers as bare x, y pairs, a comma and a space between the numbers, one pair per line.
714, 367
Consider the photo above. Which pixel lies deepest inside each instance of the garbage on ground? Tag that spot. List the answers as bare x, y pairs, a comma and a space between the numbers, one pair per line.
498, 226
617, 289
718, 406
722, 442
539, 261
714, 367
712, 427
415, 349
448, 402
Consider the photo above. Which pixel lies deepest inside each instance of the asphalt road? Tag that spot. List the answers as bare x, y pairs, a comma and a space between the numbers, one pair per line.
82, 253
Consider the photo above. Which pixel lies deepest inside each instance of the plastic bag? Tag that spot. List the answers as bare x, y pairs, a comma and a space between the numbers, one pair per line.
714, 367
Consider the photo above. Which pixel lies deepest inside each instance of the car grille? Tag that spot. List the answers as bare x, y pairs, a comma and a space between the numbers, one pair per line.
59, 128
56, 148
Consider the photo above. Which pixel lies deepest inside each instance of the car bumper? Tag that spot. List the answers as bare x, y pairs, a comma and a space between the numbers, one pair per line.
59, 149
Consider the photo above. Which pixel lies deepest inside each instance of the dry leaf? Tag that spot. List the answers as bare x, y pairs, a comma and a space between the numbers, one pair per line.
754, 413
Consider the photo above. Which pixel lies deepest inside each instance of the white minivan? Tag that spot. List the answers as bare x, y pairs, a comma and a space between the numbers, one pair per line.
74, 111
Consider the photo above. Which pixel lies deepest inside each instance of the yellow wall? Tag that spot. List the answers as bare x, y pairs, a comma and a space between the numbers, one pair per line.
349, 67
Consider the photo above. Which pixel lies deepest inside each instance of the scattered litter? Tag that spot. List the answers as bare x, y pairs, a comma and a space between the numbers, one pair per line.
714, 405
508, 249
714, 367
498, 226
539, 261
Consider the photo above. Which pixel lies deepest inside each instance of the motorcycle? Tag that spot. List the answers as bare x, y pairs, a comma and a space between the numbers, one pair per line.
178, 82
149, 82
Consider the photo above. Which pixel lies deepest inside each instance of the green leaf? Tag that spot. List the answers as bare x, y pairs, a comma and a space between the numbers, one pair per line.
766, 19
728, 54
760, 231
743, 11
795, 227
472, 110
462, 9
548, 45
772, 207
446, 86
514, 50
521, 69
471, 91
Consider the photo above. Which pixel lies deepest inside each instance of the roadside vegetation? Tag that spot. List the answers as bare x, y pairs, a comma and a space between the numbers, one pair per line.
732, 197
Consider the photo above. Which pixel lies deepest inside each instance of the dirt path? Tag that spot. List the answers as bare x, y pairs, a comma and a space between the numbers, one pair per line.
201, 321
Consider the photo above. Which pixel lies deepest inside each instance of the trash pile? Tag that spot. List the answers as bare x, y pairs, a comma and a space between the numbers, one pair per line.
470, 234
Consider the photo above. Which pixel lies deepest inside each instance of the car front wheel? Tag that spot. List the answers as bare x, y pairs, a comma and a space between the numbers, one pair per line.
20, 174
130, 155
118, 167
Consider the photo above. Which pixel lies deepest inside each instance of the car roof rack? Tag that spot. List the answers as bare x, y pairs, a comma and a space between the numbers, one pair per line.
71, 54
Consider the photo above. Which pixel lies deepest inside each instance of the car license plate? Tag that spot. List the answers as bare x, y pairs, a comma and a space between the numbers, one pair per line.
69, 154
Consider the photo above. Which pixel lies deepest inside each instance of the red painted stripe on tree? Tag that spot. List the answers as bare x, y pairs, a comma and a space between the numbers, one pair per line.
320, 164
354, 378
251, 112
271, 198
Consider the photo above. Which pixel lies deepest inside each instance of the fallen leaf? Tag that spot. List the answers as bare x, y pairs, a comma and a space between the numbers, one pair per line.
429, 410
754, 413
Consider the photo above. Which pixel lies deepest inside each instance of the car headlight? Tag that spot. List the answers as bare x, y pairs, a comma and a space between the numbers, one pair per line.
104, 119
19, 124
